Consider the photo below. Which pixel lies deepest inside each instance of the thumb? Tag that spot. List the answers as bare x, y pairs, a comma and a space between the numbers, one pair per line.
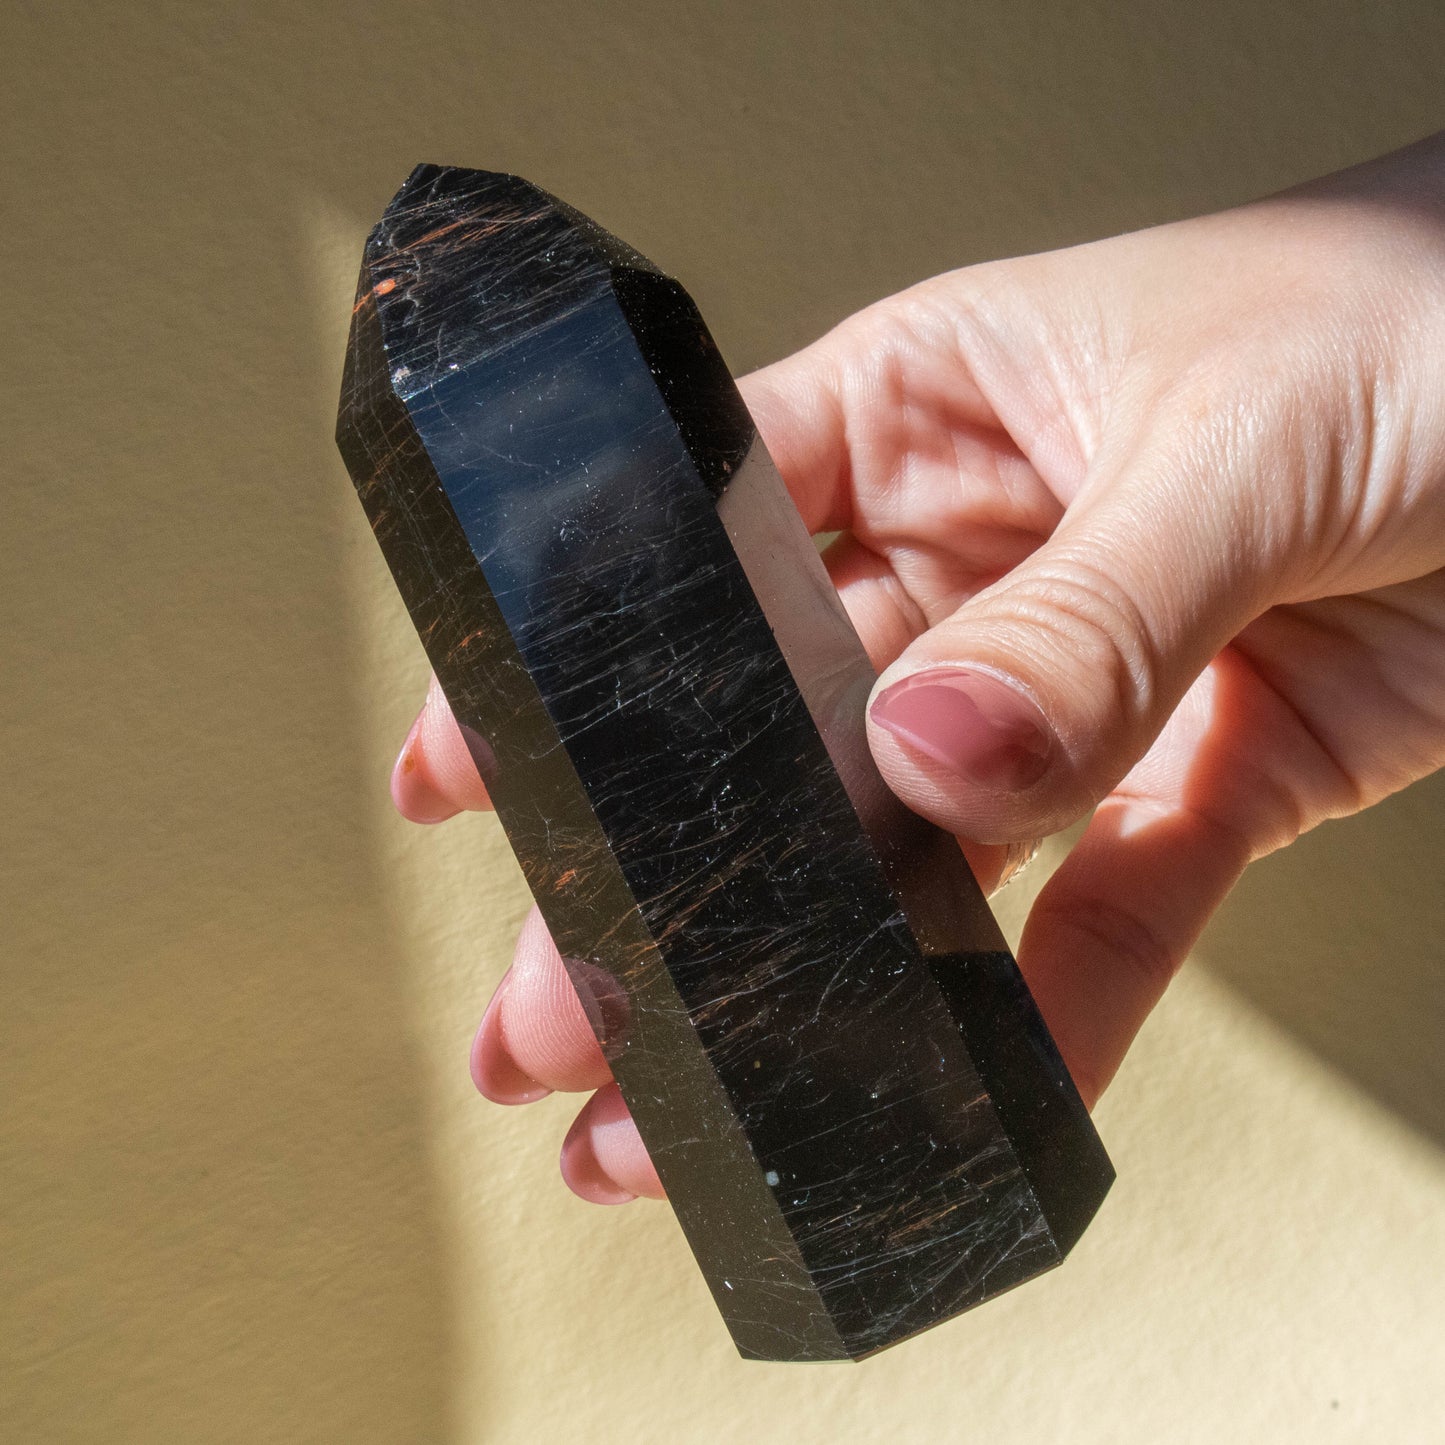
1012, 717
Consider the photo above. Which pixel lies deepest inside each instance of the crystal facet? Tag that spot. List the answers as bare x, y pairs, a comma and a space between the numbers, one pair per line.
857, 1113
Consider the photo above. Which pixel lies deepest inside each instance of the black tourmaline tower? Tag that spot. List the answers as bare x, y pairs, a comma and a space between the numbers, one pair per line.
855, 1108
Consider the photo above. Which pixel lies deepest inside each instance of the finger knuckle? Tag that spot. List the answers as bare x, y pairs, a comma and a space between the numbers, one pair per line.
1082, 623
1109, 932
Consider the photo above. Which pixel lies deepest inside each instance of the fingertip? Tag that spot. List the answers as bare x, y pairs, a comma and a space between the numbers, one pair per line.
582, 1172
603, 1157
494, 1071
413, 793
546, 1026
436, 776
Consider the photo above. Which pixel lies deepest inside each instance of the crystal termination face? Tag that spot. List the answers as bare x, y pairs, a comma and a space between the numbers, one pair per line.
857, 1113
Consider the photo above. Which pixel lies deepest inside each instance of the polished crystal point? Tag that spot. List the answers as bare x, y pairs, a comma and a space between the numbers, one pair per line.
848, 1093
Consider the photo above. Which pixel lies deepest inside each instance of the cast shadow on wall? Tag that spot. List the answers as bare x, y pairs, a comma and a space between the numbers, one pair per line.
1340, 939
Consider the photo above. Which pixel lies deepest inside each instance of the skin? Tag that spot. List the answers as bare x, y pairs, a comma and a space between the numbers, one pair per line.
1183, 493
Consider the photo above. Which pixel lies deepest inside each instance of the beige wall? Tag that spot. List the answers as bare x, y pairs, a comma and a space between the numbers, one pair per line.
246, 1193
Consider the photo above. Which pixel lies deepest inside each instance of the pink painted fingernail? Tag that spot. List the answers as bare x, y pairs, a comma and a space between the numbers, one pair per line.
494, 1071
411, 789
972, 722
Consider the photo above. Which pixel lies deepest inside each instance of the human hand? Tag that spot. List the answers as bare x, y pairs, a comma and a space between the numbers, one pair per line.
1153, 526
